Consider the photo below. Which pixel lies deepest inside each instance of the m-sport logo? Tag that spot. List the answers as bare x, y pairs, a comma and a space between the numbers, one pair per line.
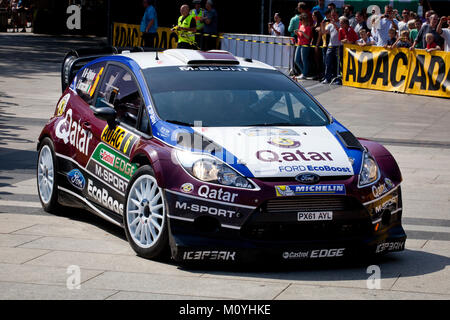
308, 178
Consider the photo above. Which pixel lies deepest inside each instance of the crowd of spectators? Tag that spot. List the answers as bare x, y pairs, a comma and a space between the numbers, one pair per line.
320, 33
18, 12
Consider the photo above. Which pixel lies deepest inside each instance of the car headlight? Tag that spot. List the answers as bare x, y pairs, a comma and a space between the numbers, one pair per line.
209, 169
369, 170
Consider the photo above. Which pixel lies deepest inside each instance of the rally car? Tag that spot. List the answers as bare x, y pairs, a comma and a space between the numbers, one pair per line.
211, 157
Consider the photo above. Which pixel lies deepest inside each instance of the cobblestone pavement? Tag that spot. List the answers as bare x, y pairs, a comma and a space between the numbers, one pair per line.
36, 248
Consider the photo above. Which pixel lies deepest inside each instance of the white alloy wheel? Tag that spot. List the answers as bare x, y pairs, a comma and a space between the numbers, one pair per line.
46, 174
145, 212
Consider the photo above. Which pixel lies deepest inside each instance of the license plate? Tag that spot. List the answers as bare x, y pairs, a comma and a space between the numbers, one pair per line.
315, 216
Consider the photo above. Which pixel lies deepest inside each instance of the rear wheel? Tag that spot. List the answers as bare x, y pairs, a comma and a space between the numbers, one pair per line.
145, 215
46, 176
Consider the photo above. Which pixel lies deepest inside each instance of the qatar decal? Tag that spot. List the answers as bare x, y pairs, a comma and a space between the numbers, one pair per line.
71, 132
279, 151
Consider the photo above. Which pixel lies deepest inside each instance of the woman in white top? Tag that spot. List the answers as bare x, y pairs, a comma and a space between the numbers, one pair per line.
277, 28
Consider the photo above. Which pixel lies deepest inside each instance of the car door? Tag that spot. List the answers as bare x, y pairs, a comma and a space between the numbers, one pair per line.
73, 130
109, 165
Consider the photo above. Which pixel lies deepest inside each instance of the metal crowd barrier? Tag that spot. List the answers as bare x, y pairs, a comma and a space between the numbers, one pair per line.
273, 50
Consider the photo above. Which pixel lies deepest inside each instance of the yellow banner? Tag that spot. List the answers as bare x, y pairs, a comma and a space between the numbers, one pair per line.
129, 35
400, 69
429, 74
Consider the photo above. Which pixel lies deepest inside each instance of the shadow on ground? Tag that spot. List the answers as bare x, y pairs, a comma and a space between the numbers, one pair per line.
408, 263
25, 54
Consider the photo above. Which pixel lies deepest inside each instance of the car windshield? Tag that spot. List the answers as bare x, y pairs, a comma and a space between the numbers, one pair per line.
230, 97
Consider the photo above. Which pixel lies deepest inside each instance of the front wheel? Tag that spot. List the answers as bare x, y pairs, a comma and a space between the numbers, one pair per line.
145, 215
46, 177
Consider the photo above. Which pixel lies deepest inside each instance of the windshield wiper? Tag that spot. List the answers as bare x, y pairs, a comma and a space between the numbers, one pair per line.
181, 123
286, 124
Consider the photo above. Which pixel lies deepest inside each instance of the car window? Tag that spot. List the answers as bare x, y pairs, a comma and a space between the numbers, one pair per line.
121, 90
235, 97
88, 79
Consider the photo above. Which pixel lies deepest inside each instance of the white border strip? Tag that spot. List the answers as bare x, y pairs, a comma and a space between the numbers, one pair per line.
192, 220
379, 198
209, 200
99, 213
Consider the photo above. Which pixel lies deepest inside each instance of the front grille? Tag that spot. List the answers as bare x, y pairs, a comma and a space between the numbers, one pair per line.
310, 203
276, 219
310, 231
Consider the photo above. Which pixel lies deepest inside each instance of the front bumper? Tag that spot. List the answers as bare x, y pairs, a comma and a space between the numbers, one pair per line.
202, 229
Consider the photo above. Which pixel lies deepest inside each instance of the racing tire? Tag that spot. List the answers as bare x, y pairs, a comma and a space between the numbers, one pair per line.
145, 218
46, 177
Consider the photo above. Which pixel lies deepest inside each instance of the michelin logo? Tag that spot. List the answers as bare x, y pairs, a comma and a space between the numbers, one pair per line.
294, 190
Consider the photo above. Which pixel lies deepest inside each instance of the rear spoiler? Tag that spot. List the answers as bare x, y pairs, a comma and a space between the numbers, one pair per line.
76, 59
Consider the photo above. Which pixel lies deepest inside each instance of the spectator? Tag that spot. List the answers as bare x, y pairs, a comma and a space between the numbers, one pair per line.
186, 29
304, 36
418, 23
320, 7
360, 23
198, 12
431, 44
412, 31
348, 13
412, 15
428, 15
293, 24
210, 20
277, 28
149, 24
386, 23
429, 28
444, 32
317, 43
375, 19
331, 6
331, 61
15, 15
292, 29
392, 38
325, 39
365, 39
403, 24
424, 6
346, 32
403, 41
303, 8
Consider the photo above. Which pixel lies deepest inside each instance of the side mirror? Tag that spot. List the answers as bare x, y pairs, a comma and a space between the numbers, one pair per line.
106, 112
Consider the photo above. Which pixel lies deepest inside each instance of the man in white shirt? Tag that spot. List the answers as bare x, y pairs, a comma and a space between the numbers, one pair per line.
386, 22
444, 33
403, 25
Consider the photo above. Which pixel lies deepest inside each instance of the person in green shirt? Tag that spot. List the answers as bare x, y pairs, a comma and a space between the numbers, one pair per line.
414, 27
293, 24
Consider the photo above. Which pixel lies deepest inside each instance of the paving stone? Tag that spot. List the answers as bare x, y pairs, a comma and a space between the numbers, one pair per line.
23, 291
302, 292
41, 274
19, 255
195, 286
116, 246
113, 262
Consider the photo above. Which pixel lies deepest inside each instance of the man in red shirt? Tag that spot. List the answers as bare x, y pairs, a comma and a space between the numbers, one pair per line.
346, 33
